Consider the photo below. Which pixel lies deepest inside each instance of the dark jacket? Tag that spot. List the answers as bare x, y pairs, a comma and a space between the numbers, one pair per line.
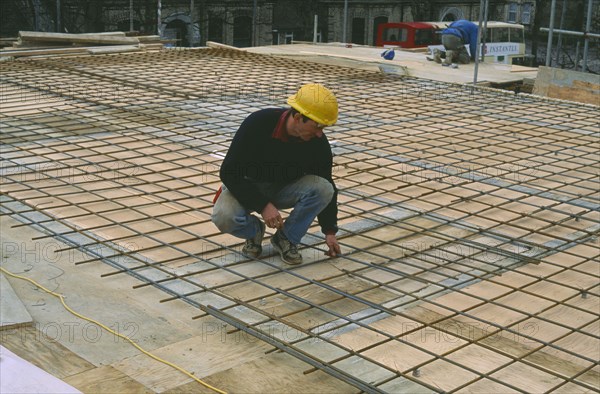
255, 155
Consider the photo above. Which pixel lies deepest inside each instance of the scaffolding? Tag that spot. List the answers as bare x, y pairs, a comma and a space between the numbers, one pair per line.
469, 217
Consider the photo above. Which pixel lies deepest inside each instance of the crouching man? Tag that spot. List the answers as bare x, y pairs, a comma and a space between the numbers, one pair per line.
454, 38
280, 158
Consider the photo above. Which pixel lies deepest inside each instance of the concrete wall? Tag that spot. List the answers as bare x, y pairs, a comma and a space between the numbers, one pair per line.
568, 85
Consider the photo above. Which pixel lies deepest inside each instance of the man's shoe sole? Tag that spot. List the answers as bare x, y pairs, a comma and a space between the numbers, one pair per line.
253, 255
281, 255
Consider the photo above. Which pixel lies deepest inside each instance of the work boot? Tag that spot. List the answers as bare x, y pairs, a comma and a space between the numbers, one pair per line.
437, 56
449, 57
287, 250
253, 246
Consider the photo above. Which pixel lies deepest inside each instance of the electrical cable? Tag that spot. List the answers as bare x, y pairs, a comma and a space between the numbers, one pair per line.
68, 308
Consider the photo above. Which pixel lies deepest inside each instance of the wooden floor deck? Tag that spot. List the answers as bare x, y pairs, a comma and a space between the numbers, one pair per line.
412, 63
469, 222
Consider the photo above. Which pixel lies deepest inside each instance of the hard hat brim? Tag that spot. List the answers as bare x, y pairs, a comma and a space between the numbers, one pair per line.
293, 102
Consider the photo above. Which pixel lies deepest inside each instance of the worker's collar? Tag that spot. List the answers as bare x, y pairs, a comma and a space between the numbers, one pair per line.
280, 131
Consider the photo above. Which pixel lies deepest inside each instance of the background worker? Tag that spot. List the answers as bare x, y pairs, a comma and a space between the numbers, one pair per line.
278, 159
454, 38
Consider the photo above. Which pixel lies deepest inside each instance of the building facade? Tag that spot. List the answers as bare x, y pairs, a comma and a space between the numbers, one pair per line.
263, 22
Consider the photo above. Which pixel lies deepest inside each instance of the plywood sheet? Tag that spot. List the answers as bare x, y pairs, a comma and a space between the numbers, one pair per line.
105, 379
20, 376
273, 373
527, 378
204, 355
39, 349
12, 311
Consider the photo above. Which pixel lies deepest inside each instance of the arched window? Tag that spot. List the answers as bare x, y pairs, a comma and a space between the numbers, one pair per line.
449, 17
452, 14
177, 30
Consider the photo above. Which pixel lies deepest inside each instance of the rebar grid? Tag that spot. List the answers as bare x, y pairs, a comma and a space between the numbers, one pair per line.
459, 209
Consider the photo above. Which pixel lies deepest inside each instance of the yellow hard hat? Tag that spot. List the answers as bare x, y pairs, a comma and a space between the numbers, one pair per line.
316, 102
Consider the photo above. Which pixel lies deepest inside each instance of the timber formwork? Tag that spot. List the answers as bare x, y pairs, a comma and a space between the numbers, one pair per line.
469, 218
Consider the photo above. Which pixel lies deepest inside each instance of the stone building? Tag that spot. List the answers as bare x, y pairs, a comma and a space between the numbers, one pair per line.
364, 16
260, 22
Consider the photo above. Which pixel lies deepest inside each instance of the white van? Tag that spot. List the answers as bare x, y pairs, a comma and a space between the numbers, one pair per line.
504, 42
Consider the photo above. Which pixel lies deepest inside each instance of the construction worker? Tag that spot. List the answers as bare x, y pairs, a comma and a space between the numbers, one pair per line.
280, 158
454, 38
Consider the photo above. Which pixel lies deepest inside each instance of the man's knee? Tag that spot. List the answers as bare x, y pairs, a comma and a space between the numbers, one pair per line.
321, 187
224, 223
225, 214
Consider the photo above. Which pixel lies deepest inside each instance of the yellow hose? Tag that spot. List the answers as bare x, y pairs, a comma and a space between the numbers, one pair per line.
62, 300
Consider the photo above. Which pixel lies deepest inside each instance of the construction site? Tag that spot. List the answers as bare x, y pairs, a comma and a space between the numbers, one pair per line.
468, 220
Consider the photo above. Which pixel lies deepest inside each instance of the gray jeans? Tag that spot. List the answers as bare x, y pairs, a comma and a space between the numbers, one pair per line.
308, 195
455, 50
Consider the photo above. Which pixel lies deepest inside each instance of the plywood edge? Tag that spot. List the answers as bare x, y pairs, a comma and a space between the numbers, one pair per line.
13, 313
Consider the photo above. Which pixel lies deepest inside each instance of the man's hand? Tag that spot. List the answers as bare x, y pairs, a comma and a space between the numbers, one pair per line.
272, 217
332, 244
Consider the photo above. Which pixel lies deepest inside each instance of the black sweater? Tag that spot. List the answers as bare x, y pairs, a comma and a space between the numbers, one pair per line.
256, 156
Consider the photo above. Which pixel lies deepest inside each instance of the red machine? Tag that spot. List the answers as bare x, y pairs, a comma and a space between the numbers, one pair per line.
408, 34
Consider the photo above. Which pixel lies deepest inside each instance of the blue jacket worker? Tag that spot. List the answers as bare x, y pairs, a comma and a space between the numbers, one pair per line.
455, 37
278, 159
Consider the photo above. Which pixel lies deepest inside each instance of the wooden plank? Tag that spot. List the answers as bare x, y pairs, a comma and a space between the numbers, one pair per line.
444, 375
572, 388
39, 349
209, 353
150, 38
559, 362
212, 44
359, 338
105, 379
275, 373
434, 340
15, 369
397, 355
526, 378
581, 344
278, 304
37, 52
113, 49
518, 345
12, 311
76, 38
479, 358
486, 386
571, 317
403, 385
524, 302
592, 377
